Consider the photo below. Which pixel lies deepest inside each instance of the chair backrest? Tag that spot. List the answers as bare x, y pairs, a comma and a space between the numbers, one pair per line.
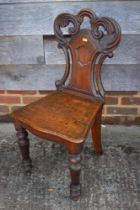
84, 48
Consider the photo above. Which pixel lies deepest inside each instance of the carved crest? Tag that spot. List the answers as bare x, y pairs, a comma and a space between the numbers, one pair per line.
86, 52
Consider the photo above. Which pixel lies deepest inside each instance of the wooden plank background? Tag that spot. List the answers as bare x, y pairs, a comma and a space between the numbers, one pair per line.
21, 50
128, 51
29, 58
41, 1
38, 18
42, 77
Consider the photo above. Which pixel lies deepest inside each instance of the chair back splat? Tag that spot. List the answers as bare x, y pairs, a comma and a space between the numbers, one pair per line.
85, 50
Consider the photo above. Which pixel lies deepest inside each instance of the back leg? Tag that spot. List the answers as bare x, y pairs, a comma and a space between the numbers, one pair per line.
96, 134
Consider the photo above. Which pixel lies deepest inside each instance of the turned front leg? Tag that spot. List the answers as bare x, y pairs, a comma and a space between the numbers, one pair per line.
23, 143
75, 168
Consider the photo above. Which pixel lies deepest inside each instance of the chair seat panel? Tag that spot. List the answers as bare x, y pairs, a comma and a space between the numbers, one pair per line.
60, 113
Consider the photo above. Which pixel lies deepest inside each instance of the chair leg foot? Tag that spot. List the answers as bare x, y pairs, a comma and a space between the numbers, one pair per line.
23, 143
96, 134
75, 192
75, 168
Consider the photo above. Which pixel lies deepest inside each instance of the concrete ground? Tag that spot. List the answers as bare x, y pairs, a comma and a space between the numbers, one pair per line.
109, 182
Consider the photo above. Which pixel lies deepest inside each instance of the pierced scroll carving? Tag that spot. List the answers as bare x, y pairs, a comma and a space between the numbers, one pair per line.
100, 26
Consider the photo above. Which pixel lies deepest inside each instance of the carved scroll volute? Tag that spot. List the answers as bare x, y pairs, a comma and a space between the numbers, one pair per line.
63, 20
111, 27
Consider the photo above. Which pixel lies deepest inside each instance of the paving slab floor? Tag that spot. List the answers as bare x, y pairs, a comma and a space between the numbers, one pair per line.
109, 182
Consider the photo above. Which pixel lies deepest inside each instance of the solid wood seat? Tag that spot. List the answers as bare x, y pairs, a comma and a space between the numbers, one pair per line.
66, 115
61, 114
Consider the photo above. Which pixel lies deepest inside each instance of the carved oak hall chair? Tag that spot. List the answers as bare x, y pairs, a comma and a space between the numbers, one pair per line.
66, 115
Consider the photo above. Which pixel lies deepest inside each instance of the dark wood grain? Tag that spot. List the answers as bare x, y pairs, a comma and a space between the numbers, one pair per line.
75, 168
66, 115
60, 113
96, 133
